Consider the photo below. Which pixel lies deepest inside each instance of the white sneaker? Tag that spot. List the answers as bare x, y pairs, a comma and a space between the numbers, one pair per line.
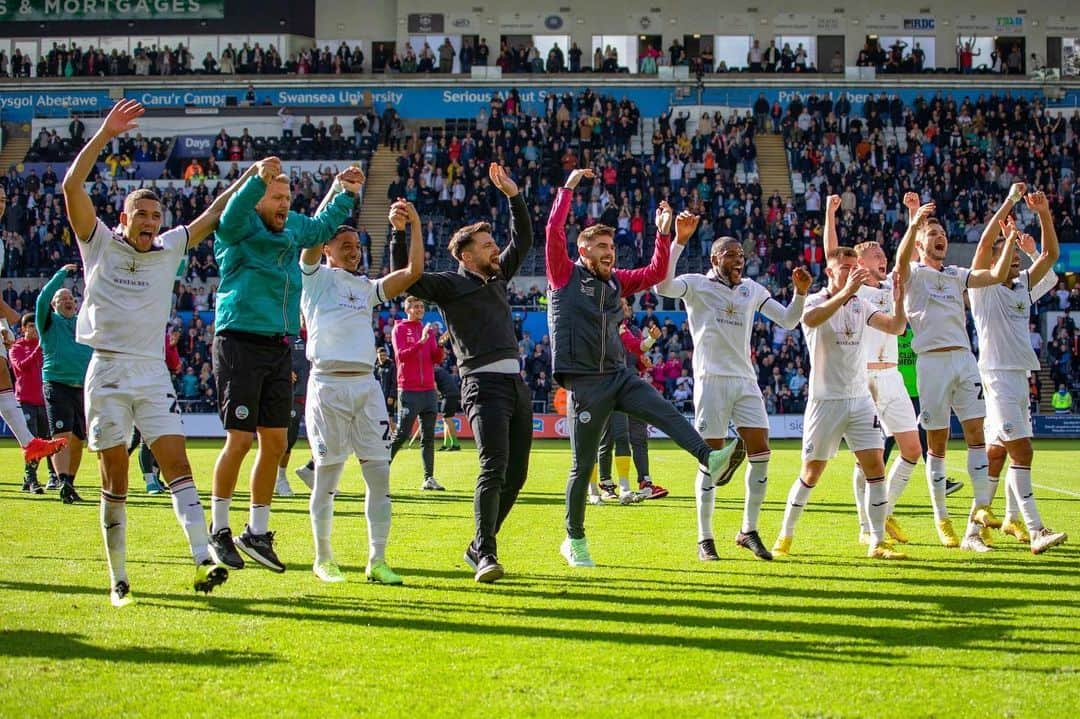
328, 571
307, 476
974, 543
595, 500
1046, 538
282, 488
629, 497
430, 484
645, 492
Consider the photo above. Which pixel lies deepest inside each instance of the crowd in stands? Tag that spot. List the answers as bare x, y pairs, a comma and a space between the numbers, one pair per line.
73, 60
963, 155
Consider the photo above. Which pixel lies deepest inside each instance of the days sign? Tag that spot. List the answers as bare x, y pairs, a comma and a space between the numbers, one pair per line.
426, 23
67, 10
193, 146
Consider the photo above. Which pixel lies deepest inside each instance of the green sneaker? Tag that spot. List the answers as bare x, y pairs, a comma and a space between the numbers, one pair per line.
381, 573
328, 571
576, 552
209, 575
724, 462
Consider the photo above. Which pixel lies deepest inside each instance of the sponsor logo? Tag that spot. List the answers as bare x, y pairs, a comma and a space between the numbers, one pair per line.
585, 417
538, 424
553, 22
462, 22
241, 412
562, 427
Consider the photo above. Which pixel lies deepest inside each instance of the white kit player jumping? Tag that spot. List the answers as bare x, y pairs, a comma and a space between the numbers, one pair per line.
948, 376
129, 281
1001, 315
840, 407
720, 308
345, 409
894, 408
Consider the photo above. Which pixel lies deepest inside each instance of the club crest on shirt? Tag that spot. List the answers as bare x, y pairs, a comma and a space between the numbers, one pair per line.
587, 289
743, 291
585, 417
241, 412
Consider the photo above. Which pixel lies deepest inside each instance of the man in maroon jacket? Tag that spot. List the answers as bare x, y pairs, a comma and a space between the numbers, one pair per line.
584, 313
417, 351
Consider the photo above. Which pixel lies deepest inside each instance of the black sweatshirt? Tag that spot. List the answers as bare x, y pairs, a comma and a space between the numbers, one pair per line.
476, 309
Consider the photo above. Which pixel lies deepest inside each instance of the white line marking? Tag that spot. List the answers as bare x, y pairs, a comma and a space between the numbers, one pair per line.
1055, 489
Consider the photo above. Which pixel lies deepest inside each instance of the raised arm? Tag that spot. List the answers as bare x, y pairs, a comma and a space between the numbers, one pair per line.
239, 218
9, 314
819, 314
521, 234
634, 281
349, 181
984, 251
1051, 250
1000, 271
43, 305
830, 239
398, 281
558, 262
906, 251
318, 229
80, 209
896, 323
788, 317
207, 222
673, 286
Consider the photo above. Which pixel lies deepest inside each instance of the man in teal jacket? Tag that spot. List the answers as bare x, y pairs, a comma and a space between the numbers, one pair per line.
257, 247
63, 371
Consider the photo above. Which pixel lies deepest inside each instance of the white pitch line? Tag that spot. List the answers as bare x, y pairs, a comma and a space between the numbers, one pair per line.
1039, 486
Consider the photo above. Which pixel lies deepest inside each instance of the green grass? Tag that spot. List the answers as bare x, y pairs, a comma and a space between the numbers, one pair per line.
650, 632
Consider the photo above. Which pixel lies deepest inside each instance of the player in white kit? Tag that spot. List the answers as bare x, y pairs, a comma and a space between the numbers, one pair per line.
345, 409
840, 407
894, 409
948, 376
129, 280
720, 308
1001, 315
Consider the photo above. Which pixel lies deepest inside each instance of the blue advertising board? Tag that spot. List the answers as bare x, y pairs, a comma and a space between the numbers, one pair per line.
25, 106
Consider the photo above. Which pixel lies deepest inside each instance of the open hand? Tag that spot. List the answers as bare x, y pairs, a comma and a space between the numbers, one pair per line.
502, 180
122, 118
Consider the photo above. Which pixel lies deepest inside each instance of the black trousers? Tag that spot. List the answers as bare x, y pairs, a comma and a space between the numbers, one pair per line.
500, 414
592, 399
410, 406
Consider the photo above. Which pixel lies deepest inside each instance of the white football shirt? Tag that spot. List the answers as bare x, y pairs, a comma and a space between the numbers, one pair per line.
1001, 317
837, 362
337, 307
128, 293
721, 319
934, 303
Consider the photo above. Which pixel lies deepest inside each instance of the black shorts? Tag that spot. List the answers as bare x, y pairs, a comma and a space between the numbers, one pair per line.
450, 405
37, 419
64, 407
253, 374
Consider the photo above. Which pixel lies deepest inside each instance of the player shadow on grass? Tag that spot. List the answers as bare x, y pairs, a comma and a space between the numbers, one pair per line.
28, 643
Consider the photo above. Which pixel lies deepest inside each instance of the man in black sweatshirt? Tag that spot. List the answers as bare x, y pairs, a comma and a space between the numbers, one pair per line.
474, 303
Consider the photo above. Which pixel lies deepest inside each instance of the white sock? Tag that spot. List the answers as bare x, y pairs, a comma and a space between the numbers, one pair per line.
877, 505
114, 531
377, 507
858, 487
705, 498
624, 485
757, 479
147, 477
1012, 504
796, 501
978, 465
281, 474
259, 518
1019, 479
321, 508
12, 413
189, 512
219, 512
899, 474
935, 480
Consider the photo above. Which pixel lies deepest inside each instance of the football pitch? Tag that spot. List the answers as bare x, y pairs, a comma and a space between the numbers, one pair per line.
649, 632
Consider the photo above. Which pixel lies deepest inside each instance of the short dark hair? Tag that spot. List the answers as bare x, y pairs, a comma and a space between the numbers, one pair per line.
27, 319
464, 237
341, 230
719, 243
839, 253
141, 194
587, 235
